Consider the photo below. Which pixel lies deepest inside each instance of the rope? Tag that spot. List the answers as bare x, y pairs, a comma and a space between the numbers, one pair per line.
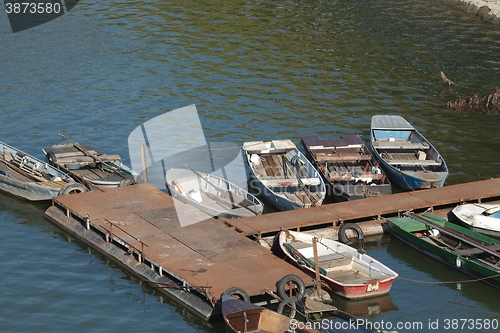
451, 282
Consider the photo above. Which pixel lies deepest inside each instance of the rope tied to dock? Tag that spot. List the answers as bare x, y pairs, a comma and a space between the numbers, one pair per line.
450, 282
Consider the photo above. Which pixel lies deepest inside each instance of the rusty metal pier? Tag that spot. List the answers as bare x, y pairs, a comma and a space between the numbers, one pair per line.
369, 212
137, 227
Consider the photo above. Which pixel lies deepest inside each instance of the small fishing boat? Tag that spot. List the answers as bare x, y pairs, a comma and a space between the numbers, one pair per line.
90, 166
345, 271
406, 156
213, 195
482, 218
27, 177
283, 175
347, 166
465, 250
240, 316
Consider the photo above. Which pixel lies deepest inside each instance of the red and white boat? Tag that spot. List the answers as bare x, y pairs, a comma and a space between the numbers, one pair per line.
345, 271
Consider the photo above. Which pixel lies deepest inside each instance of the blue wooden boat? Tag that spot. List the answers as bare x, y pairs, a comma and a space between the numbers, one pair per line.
283, 175
469, 252
406, 156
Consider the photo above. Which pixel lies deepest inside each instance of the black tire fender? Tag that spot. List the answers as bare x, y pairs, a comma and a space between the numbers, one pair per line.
283, 287
72, 188
50, 158
288, 304
237, 293
350, 226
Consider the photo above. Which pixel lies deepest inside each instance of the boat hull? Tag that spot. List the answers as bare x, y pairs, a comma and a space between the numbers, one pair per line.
29, 190
412, 180
400, 229
479, 218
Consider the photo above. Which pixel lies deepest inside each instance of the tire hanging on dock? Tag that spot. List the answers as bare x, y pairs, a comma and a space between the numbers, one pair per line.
350, 226
287, 307
237, 293
72, 188
291, 286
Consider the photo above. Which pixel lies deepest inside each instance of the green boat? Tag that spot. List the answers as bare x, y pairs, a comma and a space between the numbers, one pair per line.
467, 251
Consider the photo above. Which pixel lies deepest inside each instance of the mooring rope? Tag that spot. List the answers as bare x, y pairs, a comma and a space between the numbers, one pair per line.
451, 282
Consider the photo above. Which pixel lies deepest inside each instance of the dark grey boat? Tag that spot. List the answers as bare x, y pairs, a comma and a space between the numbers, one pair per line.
27, 177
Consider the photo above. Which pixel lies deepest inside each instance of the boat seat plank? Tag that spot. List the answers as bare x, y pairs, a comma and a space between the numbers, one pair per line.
331, 256
341, 157
400, 144
278, 182
415, 162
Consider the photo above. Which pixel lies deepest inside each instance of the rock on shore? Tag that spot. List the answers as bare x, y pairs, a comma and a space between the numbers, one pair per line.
488, 10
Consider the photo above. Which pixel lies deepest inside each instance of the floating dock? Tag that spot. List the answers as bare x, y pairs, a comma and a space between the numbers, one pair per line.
137, 227
369, 212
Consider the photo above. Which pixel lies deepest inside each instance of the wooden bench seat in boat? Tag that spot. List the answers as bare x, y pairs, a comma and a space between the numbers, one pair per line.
279, 182
399, 144
341, 157
415, 162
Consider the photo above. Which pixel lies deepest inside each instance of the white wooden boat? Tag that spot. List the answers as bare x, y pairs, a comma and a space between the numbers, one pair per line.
27, 177
283, 175
406, 156
346, 271
483, 218
90, 166
213, 195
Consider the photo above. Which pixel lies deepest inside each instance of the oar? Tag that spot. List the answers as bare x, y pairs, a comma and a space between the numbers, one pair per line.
299, 180
94, 156
453, 233
209, 182
300, 257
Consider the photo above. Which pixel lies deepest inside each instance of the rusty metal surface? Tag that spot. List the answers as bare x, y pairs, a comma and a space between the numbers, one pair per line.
368, 209
207, 253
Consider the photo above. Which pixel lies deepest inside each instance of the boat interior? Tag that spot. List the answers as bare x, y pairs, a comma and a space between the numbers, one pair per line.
457, 246
69, 158
19, 167
406, 149
345, 159
286, 178
212, 192
339, 266
258, 321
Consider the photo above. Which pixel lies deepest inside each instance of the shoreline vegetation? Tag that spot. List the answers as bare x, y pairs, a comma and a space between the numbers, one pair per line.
487, 10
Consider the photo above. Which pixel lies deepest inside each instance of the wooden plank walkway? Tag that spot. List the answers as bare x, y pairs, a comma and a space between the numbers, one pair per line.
137, 227
368, 209
140, 222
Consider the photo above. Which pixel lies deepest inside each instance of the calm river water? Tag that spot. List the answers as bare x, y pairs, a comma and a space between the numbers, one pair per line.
255, 70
